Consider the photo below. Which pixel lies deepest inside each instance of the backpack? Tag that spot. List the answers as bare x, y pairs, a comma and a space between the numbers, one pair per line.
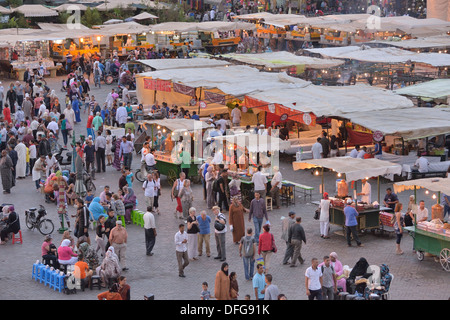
332, 269
248, 246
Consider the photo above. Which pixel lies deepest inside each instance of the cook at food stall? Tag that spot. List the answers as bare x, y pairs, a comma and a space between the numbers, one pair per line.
390, 199
366, 191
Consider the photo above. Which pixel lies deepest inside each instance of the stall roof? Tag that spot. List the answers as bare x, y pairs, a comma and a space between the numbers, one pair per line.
211, 26
411, 123
164, 64
143, 16
383, 55
431, 89
335, 101
116, 4
432, 184
36, 10
4, 10
174, 124
353, 168
122, 28
282, 59
256, 142
419, 43
233, 80
70, 7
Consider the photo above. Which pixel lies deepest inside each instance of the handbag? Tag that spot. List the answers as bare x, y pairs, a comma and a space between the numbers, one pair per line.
274, 247
218, 226
129, 206
317, 214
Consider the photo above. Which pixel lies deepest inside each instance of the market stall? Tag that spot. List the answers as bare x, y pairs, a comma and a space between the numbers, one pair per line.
433, 236
178, 135
352, 169
242, 153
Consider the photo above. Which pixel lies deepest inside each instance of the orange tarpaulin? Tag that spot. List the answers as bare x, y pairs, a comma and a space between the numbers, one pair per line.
282, 111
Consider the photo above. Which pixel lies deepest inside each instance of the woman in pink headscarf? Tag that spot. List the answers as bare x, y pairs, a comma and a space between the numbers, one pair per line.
337, 265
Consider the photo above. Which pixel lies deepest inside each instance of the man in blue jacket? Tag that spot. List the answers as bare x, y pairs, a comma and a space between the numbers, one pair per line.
351, 223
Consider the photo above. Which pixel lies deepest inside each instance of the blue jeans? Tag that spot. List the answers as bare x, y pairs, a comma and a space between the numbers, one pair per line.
127, 157
258, 222
249, 264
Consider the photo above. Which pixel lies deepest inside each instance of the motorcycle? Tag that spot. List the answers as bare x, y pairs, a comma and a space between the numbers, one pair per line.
64, 160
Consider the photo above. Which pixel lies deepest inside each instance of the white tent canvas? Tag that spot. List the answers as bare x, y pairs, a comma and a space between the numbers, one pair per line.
439, 88
383, 55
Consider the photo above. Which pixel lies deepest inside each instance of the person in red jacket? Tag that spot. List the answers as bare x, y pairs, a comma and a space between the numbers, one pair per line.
7, 113
266, 246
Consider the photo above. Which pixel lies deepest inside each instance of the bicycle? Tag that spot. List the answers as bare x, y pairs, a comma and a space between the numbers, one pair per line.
45, 226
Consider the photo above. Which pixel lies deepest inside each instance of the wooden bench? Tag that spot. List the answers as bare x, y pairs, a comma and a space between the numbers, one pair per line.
305, 190
419, 175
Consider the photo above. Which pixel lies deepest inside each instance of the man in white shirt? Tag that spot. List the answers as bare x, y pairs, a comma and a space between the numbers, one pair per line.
260, 183
150, 160
53, 126
366, 192
355, 152
125, 94
221, 124
276, 186
181, 239
421, 164
42, 109
121, 115
313, 280
110, 99
422, 212
317, 150
361, 153
236, 116
149, 191
150, 231
219, 235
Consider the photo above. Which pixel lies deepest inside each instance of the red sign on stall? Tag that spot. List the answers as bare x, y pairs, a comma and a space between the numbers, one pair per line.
158, 85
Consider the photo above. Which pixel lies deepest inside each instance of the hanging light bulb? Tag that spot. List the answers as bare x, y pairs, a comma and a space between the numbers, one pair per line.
316, 173
434, 196
339, 175
427, 192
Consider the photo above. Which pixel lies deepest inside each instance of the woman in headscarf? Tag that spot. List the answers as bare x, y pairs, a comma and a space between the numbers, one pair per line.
53, 98
89, 254
237, 224
339, 270
6, 166
186, 196
57, 105
12, 223
117, 160
222, 284
129, 201
359, 270
97, 209
110, 268
65, 253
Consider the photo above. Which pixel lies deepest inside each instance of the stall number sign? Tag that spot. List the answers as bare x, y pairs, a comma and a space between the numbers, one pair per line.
158, 85
307, 119
284, 117
271, 108
202, 104
244, 109
378, 136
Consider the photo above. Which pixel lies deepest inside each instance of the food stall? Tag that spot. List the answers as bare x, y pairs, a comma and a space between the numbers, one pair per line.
179, 134
352, 169
433, 236
242, 153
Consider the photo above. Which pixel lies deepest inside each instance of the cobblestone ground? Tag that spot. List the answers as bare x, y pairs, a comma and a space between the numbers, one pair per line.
158, 274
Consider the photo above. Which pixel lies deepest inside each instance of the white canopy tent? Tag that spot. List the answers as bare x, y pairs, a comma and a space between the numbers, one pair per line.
282, 59
383, 55
411, 123
256, 142
71, 7
144, 16
36, 10
211, 26
175, 124
353, 168
165, 64
439, 88
335, 101
419, 43
233, 80
432, 184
